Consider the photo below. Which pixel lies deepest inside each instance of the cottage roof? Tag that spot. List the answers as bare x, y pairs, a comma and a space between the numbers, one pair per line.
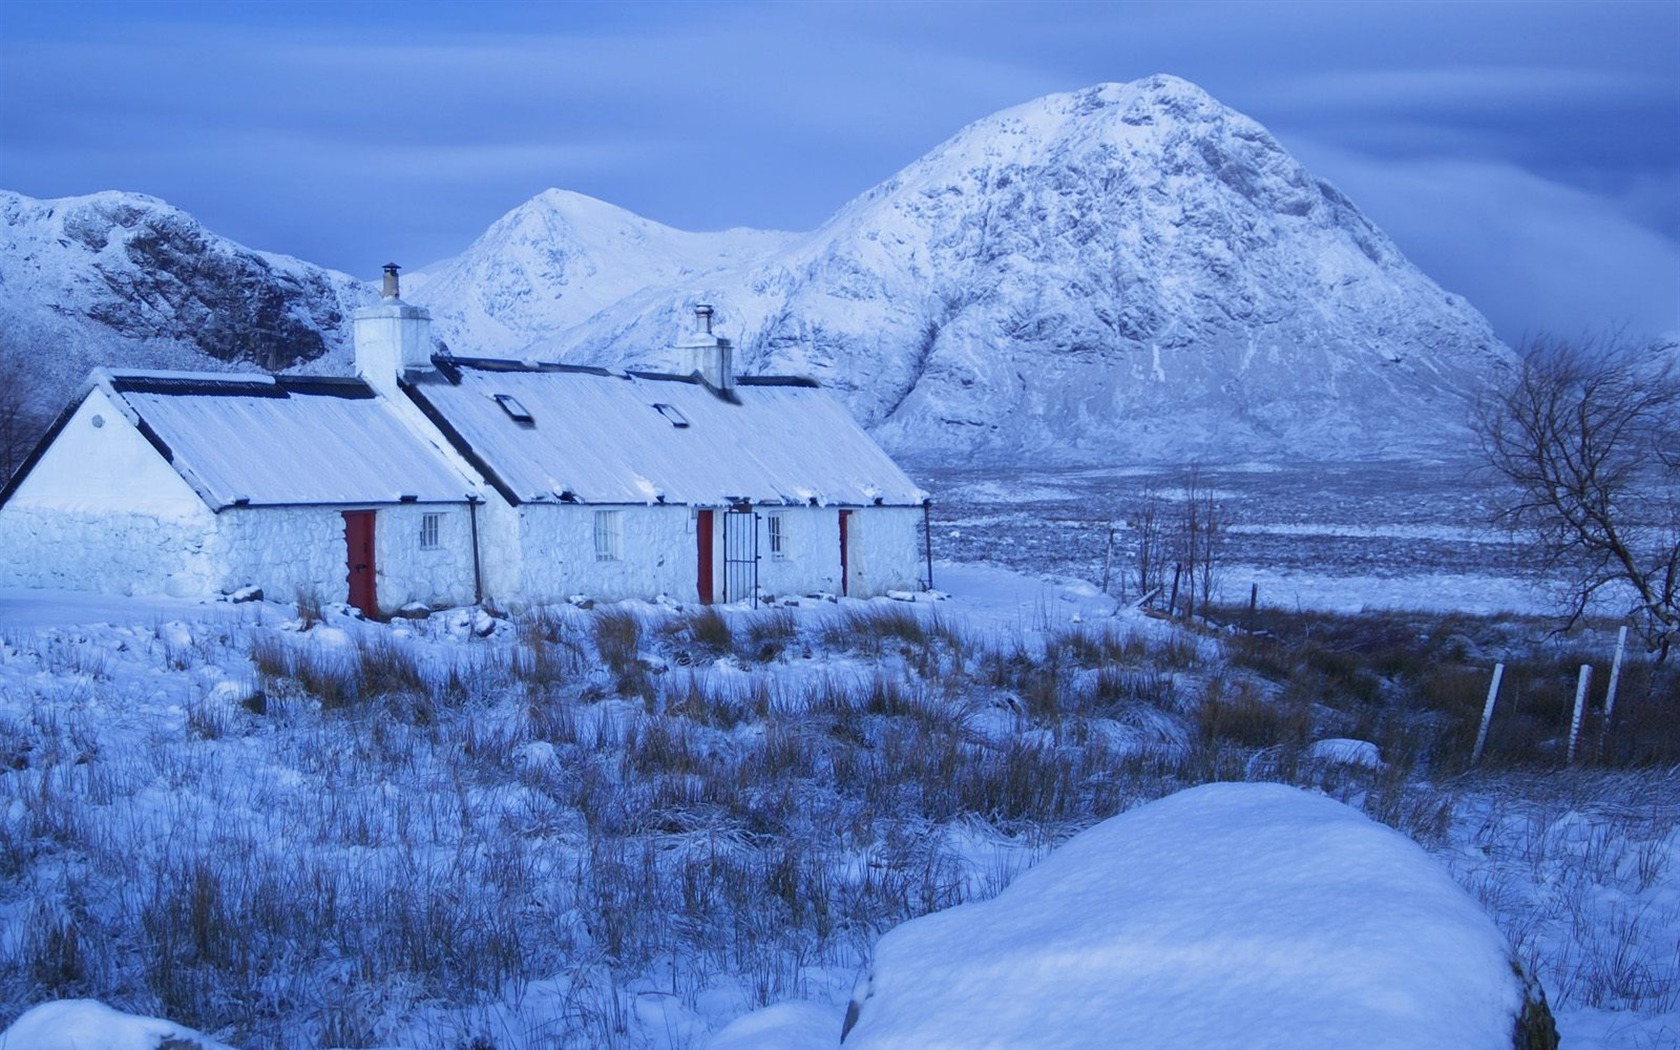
555, 433
269, 440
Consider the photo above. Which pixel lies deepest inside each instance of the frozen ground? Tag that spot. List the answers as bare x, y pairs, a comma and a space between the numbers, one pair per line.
429, 875
1338, 537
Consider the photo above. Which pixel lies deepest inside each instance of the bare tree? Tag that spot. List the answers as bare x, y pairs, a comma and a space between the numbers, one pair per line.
1201, 540
1586, 440
22, 417
1149, 560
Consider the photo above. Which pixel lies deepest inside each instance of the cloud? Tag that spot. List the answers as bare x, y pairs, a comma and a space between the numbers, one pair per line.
1531, 254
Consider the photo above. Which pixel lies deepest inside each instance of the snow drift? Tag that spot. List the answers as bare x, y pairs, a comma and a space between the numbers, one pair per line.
84, 1024
1251, 915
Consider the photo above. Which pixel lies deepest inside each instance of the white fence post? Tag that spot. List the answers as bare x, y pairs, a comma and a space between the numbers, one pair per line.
1487, 715
1580, 708
1610, 690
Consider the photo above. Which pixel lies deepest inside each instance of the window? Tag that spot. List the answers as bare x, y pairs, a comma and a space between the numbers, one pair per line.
608, 536
429, 527
510, 404
672, 413
778, 538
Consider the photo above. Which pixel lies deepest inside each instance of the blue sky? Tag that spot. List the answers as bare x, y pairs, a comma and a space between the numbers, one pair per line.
1525, 154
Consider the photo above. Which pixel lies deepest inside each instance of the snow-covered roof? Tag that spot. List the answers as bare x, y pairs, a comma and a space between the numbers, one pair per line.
552, 433
264, 440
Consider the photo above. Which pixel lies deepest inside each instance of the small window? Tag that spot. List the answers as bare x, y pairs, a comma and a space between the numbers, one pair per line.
778, 538
609, 537
513, 408
672, 413
429, 527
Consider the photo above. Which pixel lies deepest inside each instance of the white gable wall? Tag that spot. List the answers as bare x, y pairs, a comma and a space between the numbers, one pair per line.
101, 462
102, 511
884, 550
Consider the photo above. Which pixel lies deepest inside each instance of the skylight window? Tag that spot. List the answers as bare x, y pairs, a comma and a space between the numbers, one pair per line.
516, 411
672, 413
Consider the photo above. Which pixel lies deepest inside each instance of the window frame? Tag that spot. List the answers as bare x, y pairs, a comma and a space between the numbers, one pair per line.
431, 531
776, 527
609, 536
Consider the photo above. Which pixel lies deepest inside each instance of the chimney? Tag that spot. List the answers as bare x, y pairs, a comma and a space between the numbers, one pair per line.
706, 355
393, 338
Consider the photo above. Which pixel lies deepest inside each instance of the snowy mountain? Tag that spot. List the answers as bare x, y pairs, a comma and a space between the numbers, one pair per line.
122, 279
1130, 271
560, 258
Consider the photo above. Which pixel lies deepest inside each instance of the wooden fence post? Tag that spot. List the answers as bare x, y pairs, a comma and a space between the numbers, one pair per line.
1580, 709
1487, 714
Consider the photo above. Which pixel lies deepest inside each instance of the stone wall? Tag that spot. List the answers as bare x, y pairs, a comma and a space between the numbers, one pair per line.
110, 552
289, 551
659, 552
656, 553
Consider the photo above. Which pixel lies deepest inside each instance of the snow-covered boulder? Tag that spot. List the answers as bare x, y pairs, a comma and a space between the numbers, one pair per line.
1251, 915
783, 1026
84, 1024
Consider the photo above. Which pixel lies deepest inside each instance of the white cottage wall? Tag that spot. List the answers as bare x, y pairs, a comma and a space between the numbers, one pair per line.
500, 552
110, 552
100, 461
288, 551
408, 572
810, 547
102, 511
656, 553
885, 553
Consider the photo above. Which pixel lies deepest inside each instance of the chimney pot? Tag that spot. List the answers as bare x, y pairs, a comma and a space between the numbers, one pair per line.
391, 289
703, 319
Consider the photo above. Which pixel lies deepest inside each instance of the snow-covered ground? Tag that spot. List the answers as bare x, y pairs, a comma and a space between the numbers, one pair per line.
537, 834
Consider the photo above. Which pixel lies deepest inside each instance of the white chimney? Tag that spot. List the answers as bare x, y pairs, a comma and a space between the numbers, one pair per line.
392, 338
707, 355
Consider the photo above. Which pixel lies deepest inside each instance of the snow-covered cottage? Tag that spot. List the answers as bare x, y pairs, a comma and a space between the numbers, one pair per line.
445, 480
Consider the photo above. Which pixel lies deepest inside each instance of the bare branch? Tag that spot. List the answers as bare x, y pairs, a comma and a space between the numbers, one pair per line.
1584, 439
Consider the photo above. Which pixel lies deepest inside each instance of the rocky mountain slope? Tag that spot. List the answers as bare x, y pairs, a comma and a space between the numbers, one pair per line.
1129, 272
122, 279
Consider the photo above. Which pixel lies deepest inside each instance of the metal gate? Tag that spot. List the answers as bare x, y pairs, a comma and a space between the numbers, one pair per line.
740, 555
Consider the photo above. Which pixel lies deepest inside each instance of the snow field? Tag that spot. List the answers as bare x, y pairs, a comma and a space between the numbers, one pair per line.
627, 826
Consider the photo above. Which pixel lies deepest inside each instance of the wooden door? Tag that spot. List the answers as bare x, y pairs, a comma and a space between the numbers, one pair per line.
703, 555
358, 543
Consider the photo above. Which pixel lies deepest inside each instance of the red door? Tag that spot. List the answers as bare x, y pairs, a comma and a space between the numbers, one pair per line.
703, 543
845, 583
358, 543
